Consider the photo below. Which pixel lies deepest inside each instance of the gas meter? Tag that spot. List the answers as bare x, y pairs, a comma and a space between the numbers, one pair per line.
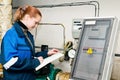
76, 28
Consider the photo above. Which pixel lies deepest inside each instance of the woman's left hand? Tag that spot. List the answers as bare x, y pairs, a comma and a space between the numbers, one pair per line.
53, 51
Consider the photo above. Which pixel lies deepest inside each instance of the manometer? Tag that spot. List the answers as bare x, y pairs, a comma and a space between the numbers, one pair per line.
71, 53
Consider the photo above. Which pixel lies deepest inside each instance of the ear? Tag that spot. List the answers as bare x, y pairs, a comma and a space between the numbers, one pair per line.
26, 17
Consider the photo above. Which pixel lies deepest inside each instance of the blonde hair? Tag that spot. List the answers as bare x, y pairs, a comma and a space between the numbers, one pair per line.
27, 9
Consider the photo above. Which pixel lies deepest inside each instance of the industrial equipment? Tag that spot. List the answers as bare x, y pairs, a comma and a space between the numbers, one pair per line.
95, 51
76, 28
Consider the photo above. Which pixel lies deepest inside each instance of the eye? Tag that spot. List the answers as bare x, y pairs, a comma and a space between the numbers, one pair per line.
37, 23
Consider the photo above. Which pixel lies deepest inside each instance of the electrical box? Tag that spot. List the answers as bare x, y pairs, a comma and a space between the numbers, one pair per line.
95, 51
76, 28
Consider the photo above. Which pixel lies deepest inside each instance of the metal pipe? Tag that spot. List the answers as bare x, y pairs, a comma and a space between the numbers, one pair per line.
98, 6
71, 4
56, 24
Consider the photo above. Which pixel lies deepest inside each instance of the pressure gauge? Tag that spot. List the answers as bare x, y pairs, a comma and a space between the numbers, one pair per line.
71, 53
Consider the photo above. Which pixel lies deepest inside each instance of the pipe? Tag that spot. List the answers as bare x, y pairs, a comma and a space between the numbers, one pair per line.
98, 6
71, 4
55, 24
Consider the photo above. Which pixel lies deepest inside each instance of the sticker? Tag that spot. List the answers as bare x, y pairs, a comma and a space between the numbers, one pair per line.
90, 51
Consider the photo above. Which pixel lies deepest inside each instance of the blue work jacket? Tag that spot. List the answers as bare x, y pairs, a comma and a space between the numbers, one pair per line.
15, 45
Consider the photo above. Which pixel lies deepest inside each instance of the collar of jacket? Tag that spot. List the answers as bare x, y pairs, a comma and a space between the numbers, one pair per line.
22, 25
19, 30
21, 34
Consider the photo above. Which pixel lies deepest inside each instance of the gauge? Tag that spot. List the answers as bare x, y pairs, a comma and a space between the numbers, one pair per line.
71, 53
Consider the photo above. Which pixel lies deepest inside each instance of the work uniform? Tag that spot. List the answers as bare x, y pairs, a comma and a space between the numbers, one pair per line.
18, 54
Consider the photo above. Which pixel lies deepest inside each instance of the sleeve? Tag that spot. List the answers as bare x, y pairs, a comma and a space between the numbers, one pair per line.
42, 53
11, 59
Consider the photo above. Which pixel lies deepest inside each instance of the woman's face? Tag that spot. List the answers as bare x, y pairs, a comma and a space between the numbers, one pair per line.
32, 22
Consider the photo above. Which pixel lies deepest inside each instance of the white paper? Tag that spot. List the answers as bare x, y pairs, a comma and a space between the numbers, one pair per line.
49, 60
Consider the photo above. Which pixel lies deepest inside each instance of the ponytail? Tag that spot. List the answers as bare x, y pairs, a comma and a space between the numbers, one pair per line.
22, 11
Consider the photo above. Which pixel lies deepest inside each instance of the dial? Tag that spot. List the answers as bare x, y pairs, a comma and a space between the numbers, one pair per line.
71, 53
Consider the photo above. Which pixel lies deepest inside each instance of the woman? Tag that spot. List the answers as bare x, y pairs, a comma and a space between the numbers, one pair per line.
17, 48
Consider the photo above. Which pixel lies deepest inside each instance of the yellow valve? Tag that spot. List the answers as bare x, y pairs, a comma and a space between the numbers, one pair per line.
90, 51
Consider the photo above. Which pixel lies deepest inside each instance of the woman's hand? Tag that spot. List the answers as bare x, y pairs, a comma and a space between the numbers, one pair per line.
53, 51
40, 59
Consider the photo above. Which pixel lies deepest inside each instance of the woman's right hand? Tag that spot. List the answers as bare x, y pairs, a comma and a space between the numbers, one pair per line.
40, 59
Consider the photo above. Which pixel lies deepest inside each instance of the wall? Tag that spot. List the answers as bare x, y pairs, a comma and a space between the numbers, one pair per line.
55, 36
5, 22
65, 16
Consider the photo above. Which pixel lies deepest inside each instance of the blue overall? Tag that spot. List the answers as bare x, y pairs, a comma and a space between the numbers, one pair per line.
15, 44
